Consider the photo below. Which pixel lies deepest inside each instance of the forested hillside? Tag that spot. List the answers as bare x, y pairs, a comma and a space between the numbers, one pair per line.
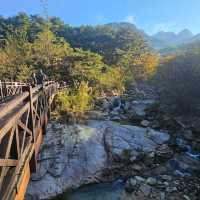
127, 121
91, 59
115, 45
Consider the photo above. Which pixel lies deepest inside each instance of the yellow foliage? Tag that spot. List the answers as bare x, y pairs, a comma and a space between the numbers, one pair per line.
48, 49
76, 102
145, 66
13, 58
113, 78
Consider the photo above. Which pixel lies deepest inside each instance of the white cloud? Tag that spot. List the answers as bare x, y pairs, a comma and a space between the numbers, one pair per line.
130, 19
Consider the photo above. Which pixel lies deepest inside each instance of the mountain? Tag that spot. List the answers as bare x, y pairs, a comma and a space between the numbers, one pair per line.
196, 38
129, 26
167, 39
185, 35
117, 26
161, 41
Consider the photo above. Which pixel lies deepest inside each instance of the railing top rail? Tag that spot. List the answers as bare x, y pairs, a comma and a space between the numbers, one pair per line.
13, 83
23, 83
16, 100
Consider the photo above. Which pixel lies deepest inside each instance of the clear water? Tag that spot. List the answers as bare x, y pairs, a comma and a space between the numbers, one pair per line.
189, 151
102, 191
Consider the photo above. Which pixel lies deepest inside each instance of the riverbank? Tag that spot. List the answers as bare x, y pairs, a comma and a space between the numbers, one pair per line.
128, 138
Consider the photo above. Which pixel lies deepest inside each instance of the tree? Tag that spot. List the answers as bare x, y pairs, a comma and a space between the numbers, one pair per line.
179, 80
48, 53
14, 58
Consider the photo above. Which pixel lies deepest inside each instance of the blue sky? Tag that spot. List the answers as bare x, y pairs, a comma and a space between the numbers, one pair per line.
150, 15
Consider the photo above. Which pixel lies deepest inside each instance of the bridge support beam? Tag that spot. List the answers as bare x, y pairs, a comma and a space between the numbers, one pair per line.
24, 183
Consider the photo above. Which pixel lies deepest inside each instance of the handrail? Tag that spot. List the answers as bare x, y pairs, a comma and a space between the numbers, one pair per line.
22, 121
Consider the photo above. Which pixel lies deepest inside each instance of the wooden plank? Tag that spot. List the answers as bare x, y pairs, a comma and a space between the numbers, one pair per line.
24, 127
18, 143
24, 183
9, 192
13, 120
8, 148
13, 103
8, 162
38, 141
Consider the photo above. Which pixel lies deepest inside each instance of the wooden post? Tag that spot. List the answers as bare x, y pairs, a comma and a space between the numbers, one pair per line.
31, 125
1, 91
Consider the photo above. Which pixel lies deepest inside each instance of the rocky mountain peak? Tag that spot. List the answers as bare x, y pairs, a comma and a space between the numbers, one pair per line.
185, 34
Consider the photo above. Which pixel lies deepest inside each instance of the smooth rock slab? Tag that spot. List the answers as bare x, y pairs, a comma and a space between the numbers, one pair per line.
72, 156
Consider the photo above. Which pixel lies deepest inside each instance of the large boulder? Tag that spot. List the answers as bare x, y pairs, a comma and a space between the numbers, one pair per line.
138, 109
72, 156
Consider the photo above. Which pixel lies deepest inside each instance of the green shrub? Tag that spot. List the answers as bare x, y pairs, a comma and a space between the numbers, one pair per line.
113, 78
75, 102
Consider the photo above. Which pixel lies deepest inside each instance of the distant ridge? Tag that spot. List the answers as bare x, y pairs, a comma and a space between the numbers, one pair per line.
162, 39
170, 38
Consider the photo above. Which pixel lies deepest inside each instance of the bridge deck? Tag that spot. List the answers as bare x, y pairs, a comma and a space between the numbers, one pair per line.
23, 120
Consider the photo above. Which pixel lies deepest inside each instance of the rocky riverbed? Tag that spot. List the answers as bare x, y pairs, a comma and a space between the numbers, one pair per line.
129, 139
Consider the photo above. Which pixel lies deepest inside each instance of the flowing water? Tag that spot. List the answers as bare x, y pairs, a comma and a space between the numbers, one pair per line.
114, 190
102, 191
188, 149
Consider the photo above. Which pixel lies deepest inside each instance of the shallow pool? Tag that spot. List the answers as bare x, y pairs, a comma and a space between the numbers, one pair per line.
102, 191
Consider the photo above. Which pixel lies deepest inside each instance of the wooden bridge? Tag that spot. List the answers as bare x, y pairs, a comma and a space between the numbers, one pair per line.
24, 112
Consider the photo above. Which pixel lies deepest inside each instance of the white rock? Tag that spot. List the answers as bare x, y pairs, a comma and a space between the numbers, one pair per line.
151, 181
145, 123
72, 156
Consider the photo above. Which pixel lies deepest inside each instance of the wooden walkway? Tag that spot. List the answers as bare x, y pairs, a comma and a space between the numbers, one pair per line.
24, 113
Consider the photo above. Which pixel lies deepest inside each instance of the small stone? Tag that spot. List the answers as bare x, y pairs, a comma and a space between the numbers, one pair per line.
130, 185
151, 181
149, 159
166, 177
166, 183
116, 118
186, 197
133, 182
133, 158
105, 104
139, 179
188, 135
155, 125
164, 152
171, 189
177, 183
162, 196
137, 167
146, 189
145, 123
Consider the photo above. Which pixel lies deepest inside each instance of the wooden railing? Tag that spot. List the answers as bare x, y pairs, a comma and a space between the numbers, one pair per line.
8, 89
23, 121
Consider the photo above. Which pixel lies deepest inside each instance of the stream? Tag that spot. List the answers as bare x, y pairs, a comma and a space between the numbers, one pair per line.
188, 150
114, 190
101, 191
